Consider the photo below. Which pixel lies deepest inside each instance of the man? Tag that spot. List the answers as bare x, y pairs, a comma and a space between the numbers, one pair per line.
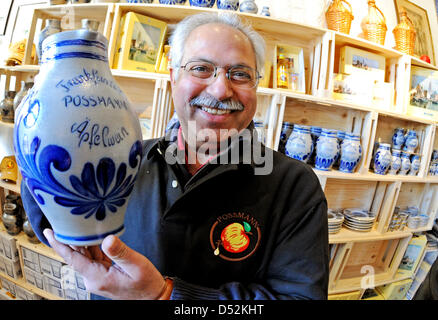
197, 226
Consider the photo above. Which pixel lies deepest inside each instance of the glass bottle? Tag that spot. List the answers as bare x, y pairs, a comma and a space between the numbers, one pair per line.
282, 72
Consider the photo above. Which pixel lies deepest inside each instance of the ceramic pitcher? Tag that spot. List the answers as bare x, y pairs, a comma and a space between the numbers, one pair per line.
77, 141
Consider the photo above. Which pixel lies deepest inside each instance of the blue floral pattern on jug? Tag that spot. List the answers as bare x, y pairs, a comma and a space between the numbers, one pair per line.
228, 4
173, 1
202, 3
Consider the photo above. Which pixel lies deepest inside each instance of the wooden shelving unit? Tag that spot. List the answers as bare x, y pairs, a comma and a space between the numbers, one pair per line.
150, 96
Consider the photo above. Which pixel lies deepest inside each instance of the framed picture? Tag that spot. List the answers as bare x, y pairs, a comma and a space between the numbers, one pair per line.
420, 20
362, 63
140, 43
5, 9
424, 88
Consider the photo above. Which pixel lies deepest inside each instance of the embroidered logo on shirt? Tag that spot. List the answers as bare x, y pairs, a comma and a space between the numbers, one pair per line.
235, 236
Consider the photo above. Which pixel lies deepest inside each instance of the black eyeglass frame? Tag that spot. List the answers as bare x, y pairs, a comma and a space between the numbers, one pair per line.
227, 73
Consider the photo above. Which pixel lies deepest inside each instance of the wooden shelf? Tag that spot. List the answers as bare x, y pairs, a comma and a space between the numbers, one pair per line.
347, 235
10, 186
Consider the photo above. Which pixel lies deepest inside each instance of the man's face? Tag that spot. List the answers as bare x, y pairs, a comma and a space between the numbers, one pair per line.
222, 46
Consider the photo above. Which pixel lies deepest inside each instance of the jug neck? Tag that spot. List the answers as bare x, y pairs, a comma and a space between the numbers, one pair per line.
65, 46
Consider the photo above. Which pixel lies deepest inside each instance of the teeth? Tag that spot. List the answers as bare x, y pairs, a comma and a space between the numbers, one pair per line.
215, 111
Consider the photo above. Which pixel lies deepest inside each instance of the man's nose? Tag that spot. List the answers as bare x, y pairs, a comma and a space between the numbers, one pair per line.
220, 87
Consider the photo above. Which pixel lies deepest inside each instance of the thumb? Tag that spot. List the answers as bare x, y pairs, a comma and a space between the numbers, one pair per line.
130, 261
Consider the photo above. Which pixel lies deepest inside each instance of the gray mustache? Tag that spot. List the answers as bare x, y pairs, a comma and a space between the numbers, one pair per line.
212, 102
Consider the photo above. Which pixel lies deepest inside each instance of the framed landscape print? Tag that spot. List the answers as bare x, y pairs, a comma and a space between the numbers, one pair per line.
420, 20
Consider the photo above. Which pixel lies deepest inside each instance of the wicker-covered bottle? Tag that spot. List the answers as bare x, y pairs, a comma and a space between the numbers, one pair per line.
404, 34
374, 24
339, 17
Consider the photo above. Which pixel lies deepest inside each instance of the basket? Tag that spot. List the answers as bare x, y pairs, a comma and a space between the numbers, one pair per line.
374, 24
404, 34
339, 17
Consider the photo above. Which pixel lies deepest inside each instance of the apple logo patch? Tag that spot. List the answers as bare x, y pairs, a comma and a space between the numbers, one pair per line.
235, 236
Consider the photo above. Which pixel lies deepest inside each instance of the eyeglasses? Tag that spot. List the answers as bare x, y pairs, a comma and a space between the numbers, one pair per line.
205, 72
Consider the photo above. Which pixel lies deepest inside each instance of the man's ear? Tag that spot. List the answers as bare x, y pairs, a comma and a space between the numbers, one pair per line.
172, 76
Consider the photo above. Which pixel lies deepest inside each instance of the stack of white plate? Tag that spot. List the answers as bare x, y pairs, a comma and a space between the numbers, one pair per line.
359, 220
335, 220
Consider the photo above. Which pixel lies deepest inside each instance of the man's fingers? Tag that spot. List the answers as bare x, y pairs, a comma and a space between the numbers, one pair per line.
77, 260
126, 258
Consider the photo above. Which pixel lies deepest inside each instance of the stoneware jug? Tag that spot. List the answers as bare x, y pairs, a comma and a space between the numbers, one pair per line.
351, 153
382, 158
248, 6
327, 148
299, 144
395, 162
415, 164
228, 4
405, 163
411, 141
77, 141
398, 138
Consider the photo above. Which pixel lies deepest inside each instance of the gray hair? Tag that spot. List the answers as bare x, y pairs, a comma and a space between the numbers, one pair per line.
188, 24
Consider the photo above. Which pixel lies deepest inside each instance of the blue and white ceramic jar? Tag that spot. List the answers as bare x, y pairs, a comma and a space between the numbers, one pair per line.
405, 163
53, 26
248, 6
411, 141
202, 3
77, 140
173, 2
395, 161
415, 164
265, 12
326, 149
299, 145
351, 153
398, 138
286, 130
228, 4
382, 158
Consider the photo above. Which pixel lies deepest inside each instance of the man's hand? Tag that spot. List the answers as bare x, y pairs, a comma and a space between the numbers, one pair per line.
132, 276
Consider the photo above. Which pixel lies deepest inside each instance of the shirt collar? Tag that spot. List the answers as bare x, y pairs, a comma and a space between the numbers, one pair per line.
173, 139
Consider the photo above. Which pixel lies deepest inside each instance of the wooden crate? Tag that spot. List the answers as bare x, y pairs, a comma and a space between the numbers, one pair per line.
421, 195
386, 124
364, 264
375, 196
300, 110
